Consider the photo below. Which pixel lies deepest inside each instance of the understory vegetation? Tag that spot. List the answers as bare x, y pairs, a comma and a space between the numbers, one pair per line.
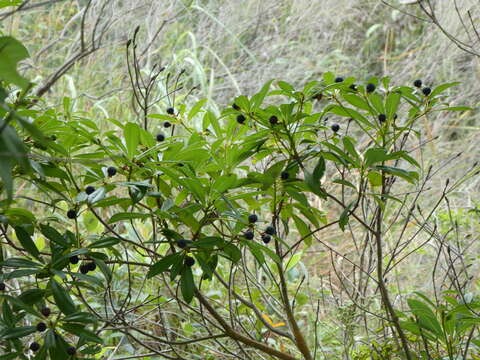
239, 180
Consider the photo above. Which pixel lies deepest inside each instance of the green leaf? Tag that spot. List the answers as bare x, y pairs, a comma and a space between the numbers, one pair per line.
426, 317
391, 104
162, 265
27, 242
17, 332
19, 263
11, 52
104, 242
131, 133
441, 88
53, 235
409, 176
6, 3
127, 216
187, 284
257, 253
313, 179
344, 217
62, 298
81, 332
375, 155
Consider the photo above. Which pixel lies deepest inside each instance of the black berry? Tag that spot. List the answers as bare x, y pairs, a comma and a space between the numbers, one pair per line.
284, 175
353, 87
71, 350
167, 124
370, 88
189, 261
41, 327
53, 137
111, 171
34, 346
89, 189
84, 268
91, 266
170, 110
235, 106
71, 214
160, 137
426, 91
252, 218
417, 83
182, 243
270, 230
382, 118
339, 79
240, 119
273, 120
248, 235
266, 238
45, 311
74, 259
335, 128
2, 286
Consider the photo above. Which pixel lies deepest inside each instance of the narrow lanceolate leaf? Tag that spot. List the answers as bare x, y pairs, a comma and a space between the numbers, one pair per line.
131, 133
17, 333
162, 265
187, 285
27, 242
62, 298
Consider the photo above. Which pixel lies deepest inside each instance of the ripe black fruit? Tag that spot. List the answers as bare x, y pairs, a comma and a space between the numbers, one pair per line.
74, 259
370, 88
89, 189
417, 83
160, 137
45, 311
273, 120
426, 91
266, 238
111, 171
170, 110
167, 124
53, 137
382, 118
248, 235
2, 286
235, 106
189, 261
71, 350
339, 79
182, 243
84, 268
353, 87
284, 175
91, 266
41, 327
71, 214
270, 230
335, 128
34, 346
240, 119
252, 218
